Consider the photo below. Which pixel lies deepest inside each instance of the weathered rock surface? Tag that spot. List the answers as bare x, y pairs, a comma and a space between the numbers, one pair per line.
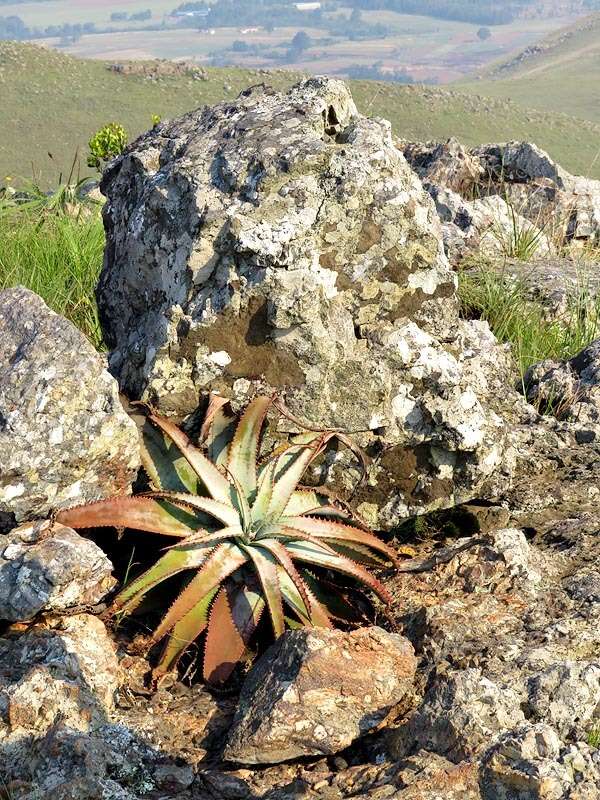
542, 198
281, 242
570, 390
64, 437
531, 763
66, 675
48, 567
316, 691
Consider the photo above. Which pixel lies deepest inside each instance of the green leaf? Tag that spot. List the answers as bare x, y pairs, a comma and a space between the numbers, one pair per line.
218, 430
243, 451
224, 512
315, 616
266, 568
221, 563
286, 485
336, 531
215, 482
322, 556
283, 557
247, 605
167, 469
138, 513
186, 631
175, 560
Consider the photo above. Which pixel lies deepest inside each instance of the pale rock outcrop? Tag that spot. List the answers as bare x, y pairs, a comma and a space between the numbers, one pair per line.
64, 436
316, 691
570, 390
48, 567
532, 763
463, 713
281, 242
534, 196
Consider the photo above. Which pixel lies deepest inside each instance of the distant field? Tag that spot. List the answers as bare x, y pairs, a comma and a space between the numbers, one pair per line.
564, 76
57, 12
430, 49
52, 102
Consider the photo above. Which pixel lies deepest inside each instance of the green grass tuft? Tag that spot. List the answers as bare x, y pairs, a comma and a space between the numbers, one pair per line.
59, 257
593, 737
504, 303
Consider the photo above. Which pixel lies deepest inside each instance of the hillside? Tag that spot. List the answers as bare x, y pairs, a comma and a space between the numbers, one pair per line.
560, 73
52, 103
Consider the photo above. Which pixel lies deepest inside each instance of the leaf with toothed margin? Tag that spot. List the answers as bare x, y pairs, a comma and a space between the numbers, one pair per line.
247, 605
335, 531
266, 567
173, 562
224, 644
315, 617
264, 493
222, 562
218, 431
332, 599
243, 450
224, 512
285, 485
311, 553
283, 557
166, 468
183, 634
215, 482
138, 513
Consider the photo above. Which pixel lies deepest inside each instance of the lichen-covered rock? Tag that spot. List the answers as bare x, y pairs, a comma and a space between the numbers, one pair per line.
570, 390
530, 763
281, 242
64, 436
47, 567
566, 696
535, 187
316, 691
68, 674
463, 713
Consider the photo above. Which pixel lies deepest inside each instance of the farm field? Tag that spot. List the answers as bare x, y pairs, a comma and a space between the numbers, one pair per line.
429, 49
53, 103
57, 12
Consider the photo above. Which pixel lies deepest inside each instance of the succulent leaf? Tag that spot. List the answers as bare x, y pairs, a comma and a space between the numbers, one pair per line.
166, 468
224, 644
243, 451
215, 482
334, 531
221, 563
266, 567
184, 633
139, 513
312, 553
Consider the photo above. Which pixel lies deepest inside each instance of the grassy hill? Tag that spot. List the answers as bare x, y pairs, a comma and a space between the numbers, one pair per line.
561, 73
52, 103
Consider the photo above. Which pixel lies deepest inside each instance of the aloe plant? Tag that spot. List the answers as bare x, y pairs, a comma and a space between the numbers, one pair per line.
247, 533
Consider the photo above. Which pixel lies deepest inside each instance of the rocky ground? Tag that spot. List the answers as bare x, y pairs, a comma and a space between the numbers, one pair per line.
284, 242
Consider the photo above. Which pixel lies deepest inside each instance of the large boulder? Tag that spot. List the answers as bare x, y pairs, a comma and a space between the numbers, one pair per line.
64, 436
282, 242
316, 691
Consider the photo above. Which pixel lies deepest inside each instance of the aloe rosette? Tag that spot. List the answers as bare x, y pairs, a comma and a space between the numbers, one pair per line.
248, 535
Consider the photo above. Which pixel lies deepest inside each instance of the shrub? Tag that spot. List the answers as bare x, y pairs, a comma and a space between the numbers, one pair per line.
107, 143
